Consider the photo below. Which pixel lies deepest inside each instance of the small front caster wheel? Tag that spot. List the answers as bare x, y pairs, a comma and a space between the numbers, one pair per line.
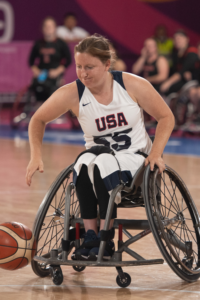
79, 268
123, 282
58, 277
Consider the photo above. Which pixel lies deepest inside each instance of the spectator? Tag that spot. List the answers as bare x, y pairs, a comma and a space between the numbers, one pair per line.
118, 64
164, 43
185, 64
69, 32
198, 53
155, 68
53, 55
187, 109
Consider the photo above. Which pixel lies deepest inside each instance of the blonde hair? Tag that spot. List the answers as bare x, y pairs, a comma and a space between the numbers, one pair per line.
97, 46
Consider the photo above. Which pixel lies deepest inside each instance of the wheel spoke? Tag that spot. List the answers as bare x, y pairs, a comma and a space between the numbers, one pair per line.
46, 229
167, 199
45, 243
169, 194
51, 239
190, 233
175, 194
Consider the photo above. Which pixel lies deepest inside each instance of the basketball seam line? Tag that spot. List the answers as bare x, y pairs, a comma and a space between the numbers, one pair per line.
13, 260
14, 232
24, 252
18, 247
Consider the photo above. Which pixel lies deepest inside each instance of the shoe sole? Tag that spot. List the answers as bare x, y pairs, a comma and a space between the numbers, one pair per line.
93, 257
79, 257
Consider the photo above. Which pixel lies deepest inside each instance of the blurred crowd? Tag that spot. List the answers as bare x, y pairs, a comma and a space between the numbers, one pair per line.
173, 68
171, 65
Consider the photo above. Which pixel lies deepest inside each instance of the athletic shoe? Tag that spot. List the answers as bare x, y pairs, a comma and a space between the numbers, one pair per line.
108, 252
82, 252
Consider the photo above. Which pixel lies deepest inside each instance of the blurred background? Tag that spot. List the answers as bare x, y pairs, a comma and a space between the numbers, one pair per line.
156, 39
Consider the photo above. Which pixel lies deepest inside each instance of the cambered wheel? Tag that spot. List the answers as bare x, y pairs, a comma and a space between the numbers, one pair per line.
174, 221
48, 227
79, 268
123, 282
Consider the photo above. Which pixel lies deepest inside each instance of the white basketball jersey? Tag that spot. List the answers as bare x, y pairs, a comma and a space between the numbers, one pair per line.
118, 125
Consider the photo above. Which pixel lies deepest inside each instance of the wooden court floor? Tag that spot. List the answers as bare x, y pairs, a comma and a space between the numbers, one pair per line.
20, 203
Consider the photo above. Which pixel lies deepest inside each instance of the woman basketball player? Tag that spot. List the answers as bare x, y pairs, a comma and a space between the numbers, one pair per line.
109, 107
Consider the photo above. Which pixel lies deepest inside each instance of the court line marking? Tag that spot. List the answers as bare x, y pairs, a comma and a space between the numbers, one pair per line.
44, 191
104, 287
23, 192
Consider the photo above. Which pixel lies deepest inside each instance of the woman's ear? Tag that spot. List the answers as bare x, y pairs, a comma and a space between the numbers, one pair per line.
108, 64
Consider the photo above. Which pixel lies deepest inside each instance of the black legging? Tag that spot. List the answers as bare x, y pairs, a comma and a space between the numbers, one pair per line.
87, 199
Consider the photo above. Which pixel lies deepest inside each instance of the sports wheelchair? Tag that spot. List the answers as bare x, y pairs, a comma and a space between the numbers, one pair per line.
172, 218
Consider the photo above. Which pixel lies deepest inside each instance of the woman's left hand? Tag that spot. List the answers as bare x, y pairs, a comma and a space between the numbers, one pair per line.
165, 86
155, 159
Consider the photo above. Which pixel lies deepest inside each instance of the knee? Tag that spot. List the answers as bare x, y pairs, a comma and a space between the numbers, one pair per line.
105, 159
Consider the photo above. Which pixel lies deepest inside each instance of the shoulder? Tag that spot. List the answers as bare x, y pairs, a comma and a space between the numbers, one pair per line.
38, 43
170, 42
135, 85
80, 87
61, 29
80, 29
162, 60
60, 42
69, 94
70, 90
192, 52
132, 79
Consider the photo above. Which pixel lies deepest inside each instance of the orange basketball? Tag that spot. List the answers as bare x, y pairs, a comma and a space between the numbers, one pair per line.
17, 246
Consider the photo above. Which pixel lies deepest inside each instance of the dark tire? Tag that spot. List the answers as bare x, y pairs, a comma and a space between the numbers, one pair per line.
48, 227
78, 268
124, 282
58, 277
174, 221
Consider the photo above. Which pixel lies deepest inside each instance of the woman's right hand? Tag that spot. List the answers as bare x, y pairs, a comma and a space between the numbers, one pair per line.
33, 166
36, 71
144, 52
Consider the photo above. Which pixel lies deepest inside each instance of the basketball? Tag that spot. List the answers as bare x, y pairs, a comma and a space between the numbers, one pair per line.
17, 246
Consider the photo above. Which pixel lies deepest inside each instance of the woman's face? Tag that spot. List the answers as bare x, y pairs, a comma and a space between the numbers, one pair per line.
151, 47
180, 41
49, 28
90, 70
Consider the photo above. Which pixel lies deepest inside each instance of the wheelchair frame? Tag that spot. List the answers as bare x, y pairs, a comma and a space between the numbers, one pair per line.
123, 279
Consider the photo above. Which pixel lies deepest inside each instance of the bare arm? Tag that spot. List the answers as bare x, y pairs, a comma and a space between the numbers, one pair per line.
163, 71
146, 96
61, 101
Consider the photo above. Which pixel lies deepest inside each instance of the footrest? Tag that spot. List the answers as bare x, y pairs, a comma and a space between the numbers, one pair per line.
55, 261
